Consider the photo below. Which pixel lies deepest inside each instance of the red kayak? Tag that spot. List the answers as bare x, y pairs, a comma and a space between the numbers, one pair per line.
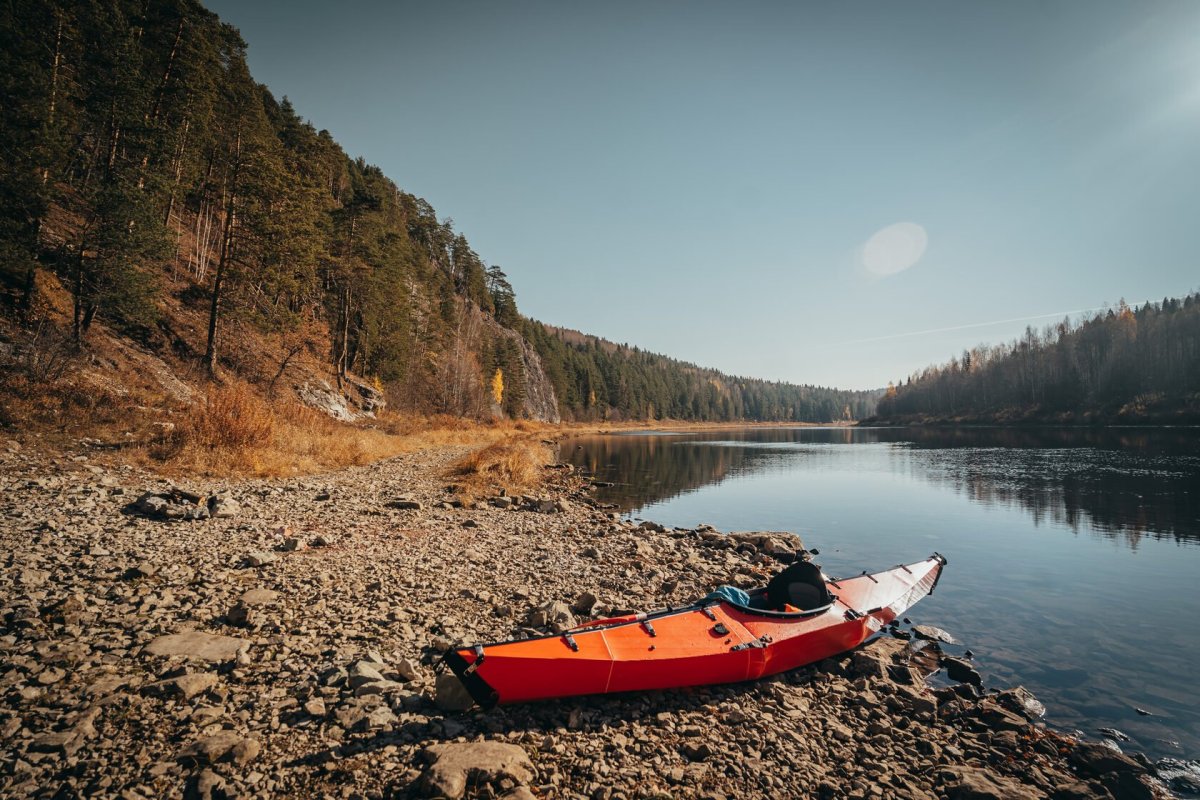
713, 641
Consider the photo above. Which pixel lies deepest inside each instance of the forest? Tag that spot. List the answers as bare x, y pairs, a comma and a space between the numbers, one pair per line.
594, 378
1122, 364
147, 175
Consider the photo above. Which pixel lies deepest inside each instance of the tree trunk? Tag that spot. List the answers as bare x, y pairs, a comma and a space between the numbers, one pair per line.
78, 318
151, 119
210, 351
214, 310
178, 169
89, 314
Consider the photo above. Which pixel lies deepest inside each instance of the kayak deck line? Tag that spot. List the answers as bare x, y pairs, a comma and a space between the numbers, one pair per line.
708, 642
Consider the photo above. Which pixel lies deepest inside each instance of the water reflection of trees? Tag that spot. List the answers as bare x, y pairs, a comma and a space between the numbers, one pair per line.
1120, 495
647, 469
1123, 483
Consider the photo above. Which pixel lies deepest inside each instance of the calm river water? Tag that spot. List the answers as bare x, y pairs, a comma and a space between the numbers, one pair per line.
1074, 555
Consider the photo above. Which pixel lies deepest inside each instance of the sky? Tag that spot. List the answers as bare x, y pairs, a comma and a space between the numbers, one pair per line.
827, 193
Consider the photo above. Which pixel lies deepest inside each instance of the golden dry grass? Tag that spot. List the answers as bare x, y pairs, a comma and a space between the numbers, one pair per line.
234, 431
516, 464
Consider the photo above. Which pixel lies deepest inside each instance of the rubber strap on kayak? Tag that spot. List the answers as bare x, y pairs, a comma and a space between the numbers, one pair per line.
479, 689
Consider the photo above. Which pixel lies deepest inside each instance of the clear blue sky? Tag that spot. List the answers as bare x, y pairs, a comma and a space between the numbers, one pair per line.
703, 179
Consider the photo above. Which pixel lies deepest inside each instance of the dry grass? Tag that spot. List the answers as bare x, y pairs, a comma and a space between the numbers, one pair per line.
515, 464
236, 432
231, 417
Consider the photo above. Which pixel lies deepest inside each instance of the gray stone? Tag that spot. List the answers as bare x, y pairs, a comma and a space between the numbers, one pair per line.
223, 506
971, 783
406, 504
408, 670
245, 751
258, 597
584, 603
455, 766
260, 558
241, 615
151, 504
961, 671
361, 672
196, 645
207, 785
450, 694
932, 634
183, 687
1092, 759
1021, 701
555, 614
211, 749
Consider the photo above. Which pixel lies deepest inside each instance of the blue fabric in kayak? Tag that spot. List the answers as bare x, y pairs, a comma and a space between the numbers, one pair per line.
729, 594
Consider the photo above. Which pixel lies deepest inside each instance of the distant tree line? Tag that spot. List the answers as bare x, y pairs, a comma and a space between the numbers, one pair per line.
1122, 363
596, 379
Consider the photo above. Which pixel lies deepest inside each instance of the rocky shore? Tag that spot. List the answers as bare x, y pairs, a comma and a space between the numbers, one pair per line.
276, 638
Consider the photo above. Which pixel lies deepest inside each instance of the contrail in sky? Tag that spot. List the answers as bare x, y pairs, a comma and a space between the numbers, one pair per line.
972, 325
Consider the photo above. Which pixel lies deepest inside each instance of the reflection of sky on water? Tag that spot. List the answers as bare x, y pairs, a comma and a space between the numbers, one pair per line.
1072, 553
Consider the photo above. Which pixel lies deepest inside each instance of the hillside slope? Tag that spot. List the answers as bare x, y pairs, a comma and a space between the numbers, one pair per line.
1126, 365
155, 197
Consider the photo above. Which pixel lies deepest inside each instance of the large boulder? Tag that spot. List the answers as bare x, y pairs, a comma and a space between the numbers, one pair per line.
453, 767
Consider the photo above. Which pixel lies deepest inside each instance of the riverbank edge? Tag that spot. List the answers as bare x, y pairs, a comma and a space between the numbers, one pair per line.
72, 730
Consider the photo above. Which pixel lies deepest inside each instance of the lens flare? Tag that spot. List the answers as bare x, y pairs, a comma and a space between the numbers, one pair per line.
894, 248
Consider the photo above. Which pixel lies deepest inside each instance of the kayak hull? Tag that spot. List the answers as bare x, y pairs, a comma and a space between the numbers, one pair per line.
709, 643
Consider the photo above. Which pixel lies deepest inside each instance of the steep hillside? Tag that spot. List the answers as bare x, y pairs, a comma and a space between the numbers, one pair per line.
182, 207
155, 198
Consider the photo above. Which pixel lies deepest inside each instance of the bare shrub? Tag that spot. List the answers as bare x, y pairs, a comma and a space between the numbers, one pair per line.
230, 417
513, 464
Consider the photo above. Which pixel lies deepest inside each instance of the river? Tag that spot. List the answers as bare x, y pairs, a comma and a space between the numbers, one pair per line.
1074, 555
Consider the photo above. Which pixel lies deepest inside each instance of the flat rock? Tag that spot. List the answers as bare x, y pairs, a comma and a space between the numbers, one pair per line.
211, 749
184, 687
258, 597
971, 783
197, 645
362, 672
454, 766
1094, 760
933, 634
260, 558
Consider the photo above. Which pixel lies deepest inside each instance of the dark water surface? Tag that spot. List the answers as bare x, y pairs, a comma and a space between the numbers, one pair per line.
1074, 555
